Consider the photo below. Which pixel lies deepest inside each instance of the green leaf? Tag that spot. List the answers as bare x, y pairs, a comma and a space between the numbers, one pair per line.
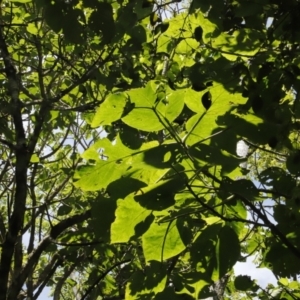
242, 187
72, 27
193, 100
145, 284
168, 293
187, 46
64, 210
198, 32
206, 154
54, 15
210, 29
130, 137
103, 215
227, 251
162, 241
206, 100
201, 125
31, 28
34, 158
293, 162
138, 34
95, 178
191, 284
160, 195
21, 1
283, 281
203, 250
236, 208
124, 186
162, 27
101, 20
174, 106
248, 126
128, 215
278, 258
110, 110
243, 283
244, 41
143, 116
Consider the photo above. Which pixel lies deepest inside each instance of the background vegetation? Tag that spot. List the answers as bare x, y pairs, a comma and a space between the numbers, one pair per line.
119, 122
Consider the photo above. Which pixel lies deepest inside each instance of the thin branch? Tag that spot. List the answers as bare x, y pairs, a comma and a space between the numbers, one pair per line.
8, 144
264, 149
67, 272
277, 233
34, 201
30, 96
18, 256
58, 147
47, 269
48, 200
2, 229
7, 164
81, 108
78, 244
33, 258
22, 160
47, 278
82, 78
102, 276
267, 223
216, 213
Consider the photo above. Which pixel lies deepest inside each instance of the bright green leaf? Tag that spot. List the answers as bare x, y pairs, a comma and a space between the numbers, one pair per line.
147, 283
20, 1
143, 116
99, 176
162, 241
31, 28
129, 214
34, 158
110, 110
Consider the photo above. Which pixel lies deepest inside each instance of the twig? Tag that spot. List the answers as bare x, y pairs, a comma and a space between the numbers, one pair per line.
102, 276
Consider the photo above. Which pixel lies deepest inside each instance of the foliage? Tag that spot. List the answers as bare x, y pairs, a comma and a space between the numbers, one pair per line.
119, 126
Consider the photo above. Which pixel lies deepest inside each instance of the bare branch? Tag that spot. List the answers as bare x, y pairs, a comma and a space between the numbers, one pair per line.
33, 258
22, 160
47, 278
7, 143
102, 276
67, 272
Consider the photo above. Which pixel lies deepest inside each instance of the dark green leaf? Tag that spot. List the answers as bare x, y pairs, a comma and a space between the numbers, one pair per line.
243, 283
64, 210
198, 32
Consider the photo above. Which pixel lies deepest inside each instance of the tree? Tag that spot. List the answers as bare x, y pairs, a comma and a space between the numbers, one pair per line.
119, 173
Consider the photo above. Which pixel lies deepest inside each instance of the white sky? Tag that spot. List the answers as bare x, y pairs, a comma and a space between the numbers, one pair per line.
263, 275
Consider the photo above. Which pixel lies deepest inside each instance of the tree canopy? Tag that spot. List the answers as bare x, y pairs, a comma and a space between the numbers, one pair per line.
119, 171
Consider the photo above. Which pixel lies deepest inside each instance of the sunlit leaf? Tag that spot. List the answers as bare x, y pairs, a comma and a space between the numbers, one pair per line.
129, 214
110, 110
162, 241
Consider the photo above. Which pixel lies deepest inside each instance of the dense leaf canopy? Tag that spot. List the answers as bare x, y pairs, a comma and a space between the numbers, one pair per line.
120, 175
